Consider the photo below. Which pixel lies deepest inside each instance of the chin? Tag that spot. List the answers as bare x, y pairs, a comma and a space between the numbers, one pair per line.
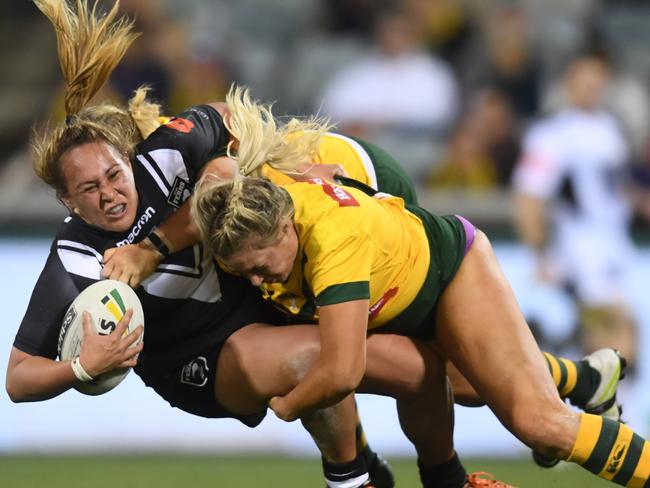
122, 225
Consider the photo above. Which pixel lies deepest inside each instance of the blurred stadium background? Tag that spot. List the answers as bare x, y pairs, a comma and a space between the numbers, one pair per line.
480, 72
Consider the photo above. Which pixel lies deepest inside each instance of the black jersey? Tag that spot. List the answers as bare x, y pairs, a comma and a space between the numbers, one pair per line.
188, 297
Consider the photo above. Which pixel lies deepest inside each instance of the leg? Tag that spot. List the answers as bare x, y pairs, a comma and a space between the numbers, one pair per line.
413, 372
492, 346
396, 366
259, 361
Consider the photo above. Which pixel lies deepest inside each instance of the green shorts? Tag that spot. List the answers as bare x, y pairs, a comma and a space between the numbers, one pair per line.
446, 236
391, 177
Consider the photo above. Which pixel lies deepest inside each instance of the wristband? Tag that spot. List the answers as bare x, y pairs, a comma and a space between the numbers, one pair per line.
80, 372
158, 243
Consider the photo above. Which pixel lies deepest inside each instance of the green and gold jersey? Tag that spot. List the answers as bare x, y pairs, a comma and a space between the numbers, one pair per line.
336, 149
352, 247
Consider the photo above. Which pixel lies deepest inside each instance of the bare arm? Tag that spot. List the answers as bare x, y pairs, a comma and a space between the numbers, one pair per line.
340, 366
33, 378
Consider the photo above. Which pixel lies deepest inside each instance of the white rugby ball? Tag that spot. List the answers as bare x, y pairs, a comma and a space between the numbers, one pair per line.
106, 301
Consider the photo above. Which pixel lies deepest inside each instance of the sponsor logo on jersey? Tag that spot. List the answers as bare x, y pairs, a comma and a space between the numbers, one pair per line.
375, 308
180, 124
70, 315
115, 305
336, 193
195, 372
615, 463
137, 228
200, 113
179, 192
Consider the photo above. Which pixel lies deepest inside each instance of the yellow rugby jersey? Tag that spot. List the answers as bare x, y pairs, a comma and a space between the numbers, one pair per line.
336, 149
352, 247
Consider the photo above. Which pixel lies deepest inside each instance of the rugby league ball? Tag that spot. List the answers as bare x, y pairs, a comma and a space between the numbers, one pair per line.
106, 301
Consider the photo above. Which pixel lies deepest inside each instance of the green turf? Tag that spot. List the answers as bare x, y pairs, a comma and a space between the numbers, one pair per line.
243, 472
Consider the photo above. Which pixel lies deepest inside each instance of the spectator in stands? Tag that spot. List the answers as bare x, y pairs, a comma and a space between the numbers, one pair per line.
483, 148
513, 68
498, 130
466, 164
399, 86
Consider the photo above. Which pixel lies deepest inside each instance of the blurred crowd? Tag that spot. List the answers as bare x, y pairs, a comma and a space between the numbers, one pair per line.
450, 87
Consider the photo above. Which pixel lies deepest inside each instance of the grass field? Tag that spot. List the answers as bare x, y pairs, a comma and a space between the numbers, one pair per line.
243, 472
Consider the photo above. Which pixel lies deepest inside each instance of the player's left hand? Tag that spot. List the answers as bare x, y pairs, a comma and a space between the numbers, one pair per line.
279, 406
131, 263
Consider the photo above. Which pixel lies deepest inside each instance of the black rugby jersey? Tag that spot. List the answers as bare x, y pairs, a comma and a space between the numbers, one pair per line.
187, 297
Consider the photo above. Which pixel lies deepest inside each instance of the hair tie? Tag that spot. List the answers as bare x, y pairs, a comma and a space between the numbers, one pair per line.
70, 120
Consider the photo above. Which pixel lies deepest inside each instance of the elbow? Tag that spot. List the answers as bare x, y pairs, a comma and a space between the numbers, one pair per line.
14, 393
346, 382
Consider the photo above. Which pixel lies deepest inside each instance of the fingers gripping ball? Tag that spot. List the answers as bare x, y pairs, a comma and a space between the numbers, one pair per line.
106, 301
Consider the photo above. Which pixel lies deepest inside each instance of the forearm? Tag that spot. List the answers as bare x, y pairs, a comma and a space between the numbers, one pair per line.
178, 230
323, 386
340, 366
38, 378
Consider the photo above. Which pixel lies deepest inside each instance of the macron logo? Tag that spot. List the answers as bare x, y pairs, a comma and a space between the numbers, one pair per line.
137, 228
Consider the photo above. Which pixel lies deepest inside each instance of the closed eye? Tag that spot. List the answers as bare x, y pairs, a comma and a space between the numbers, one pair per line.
258, 270
88, 188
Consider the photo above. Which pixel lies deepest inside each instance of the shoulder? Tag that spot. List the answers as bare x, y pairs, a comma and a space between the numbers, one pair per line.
78, 249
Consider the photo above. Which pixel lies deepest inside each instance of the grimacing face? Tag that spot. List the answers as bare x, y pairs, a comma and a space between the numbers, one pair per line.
269, 264
99, 186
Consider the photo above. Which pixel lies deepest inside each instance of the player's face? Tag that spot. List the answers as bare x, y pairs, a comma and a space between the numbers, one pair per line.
269, 264
100, 186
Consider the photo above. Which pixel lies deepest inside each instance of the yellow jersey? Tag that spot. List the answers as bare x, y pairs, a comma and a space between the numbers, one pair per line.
352, 247
336, 149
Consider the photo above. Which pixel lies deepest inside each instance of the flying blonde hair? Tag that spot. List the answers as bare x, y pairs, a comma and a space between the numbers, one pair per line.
262, 140
89, 46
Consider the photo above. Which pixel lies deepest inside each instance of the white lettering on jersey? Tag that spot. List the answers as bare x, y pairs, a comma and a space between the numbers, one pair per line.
135, 231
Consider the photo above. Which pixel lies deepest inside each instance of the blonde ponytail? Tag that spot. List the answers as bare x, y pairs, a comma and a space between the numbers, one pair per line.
90, 45
262, 140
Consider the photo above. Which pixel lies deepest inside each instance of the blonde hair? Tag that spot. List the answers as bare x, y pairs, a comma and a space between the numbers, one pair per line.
89, 46
242, 212
262, 140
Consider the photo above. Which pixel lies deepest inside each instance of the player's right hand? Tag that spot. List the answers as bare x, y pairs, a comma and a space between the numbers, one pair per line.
102, 353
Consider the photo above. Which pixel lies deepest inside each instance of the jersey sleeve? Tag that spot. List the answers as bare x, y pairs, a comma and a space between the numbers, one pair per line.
54, 291
339, 262
199, 134
539, 171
